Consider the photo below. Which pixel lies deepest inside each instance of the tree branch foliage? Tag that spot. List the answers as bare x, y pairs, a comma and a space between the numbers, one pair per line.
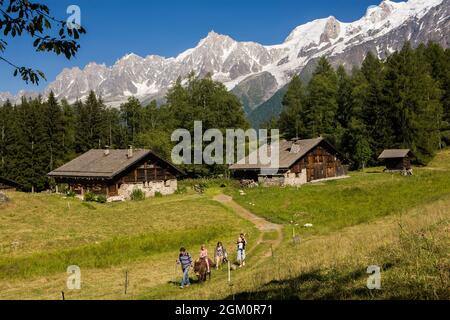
23, 17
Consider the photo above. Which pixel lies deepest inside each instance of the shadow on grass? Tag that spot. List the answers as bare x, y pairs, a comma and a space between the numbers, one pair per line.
317, 285
193, 281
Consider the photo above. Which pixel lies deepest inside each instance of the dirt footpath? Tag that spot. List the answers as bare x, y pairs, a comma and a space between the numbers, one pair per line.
261, 224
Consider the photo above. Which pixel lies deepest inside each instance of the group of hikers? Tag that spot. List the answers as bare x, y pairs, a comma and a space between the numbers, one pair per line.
220, 258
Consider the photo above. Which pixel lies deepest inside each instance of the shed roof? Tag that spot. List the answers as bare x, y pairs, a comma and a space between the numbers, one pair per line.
95, 164
395, 153
290, 153
10, 183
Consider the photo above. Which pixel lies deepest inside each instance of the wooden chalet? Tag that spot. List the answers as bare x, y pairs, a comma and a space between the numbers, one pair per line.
116, 173
397, 159
301, 161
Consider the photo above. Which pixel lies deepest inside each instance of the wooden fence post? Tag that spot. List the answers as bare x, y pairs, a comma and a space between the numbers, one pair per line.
175, 274
126, 281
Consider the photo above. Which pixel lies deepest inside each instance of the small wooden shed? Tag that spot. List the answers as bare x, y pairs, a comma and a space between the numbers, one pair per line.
397, 159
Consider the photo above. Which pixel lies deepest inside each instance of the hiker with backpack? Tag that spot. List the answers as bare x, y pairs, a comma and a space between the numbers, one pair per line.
241, 245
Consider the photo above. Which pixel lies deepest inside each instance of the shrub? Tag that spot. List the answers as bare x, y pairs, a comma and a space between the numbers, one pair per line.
137, 195
201, 187
181, 190
90, 197
70, 194
101, 199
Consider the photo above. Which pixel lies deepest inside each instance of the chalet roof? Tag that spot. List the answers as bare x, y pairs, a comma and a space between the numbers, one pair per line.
10, 183
395, 153
290, 153
95, 164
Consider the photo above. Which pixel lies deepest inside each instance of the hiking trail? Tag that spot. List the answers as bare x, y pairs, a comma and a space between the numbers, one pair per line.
261, 224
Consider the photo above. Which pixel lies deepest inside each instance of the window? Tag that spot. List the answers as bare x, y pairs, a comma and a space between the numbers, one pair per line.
141, 175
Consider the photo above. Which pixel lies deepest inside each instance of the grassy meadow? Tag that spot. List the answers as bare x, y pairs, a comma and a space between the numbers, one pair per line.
401, 224
364, 197
41, 235
411, 249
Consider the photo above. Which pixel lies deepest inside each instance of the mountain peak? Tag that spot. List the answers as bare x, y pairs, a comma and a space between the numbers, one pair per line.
94, 65
212, 34
130, 57
315, 31
380, 12
213, 37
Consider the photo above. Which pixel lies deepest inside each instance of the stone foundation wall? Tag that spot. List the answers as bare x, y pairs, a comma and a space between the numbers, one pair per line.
292, 179
149, 188
288, 179
4, 198
277, 181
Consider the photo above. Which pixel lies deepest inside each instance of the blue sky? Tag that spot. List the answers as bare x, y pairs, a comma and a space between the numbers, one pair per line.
169, 27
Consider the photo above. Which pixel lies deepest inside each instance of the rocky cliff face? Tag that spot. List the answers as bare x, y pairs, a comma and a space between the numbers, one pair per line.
255, 72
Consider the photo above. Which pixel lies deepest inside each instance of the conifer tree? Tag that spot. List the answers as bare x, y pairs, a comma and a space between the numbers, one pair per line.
292, 122
131, 113
414, 97
370, 103
53, 118
116, 132
439, 61
92, 126
151, 116
321, 107
344, 97
356, 132
30, 167
69, 125
7, 139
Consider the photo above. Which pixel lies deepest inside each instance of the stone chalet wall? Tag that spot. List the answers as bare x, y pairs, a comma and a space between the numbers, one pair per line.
149, 188
288, 179
292, 179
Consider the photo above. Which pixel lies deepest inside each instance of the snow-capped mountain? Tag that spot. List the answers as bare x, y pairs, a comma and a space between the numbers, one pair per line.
383, 30
253, 71
5, 96
150, 77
